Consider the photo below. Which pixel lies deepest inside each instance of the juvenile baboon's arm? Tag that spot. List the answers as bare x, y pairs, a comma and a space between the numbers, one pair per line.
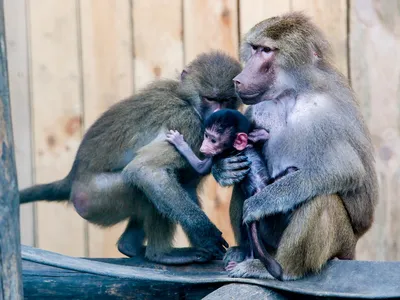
346, 172
153, 172
202, 167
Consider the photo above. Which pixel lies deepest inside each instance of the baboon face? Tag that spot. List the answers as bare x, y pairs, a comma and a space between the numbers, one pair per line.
209, 78
258, 77
277, 53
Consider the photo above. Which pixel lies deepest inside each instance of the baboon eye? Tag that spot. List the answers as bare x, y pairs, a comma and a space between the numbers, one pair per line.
266, 49
213, 141
254, 47
206, 135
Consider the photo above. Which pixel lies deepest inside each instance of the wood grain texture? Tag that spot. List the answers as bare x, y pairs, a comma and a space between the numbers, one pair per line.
375, 73
54, 283
10, 247
157, 34
254, 11
210, 24
331, 17
244, 291
338, 279
107, 65
168, 34
57, 115
18, 70
158, 51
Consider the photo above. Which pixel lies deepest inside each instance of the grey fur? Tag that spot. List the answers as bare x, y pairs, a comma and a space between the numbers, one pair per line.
315, 126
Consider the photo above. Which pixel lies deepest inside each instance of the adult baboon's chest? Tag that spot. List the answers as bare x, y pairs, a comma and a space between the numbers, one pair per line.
274, 116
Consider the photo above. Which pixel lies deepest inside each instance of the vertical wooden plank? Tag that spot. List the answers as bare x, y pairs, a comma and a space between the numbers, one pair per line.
158, 48
10, 247
375, 75
57, 114
158, 27
17, 56
107, 63
254, 11
250, 13
211, 25
331, 17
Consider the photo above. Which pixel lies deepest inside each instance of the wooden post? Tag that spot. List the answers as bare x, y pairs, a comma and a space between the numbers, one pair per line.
10, 248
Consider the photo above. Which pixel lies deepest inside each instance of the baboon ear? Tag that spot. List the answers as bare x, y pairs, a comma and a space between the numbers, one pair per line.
184, 73
240, 141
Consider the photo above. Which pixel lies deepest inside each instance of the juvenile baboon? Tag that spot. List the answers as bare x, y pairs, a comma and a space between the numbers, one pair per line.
125, 168
319, 149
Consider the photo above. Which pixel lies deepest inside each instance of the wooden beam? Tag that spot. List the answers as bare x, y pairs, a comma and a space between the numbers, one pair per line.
10, 252
244, 291
58, 276
18, 77
55, 283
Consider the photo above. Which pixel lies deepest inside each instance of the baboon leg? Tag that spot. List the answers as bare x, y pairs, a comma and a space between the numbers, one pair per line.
237, 253
160, 232
103, 199
319, 230
131, 241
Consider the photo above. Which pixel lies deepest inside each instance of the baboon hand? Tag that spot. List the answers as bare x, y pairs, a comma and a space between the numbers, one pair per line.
231, 170
252, 210
212, 242
175, 138
259, 135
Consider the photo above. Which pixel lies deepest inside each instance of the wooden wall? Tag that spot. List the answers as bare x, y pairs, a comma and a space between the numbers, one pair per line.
70, 60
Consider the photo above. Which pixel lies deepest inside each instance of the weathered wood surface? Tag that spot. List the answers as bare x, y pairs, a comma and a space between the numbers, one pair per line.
157, 27
375, 77
109, 47
18, 74
350, 279
55, 283
214, 27
254, 11
10, 259
331, 17
107, 77
244, 291
56, 86
157, 40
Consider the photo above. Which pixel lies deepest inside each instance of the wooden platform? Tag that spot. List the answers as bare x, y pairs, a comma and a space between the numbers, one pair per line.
136, 278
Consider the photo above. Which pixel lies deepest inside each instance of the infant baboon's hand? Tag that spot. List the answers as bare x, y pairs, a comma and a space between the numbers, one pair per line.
175, 138
259, 135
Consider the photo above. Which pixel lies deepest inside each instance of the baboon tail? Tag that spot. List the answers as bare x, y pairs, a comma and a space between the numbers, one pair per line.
273, 267
54, 191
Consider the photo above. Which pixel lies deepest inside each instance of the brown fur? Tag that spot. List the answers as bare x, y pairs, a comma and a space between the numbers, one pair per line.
125, 168
290, 32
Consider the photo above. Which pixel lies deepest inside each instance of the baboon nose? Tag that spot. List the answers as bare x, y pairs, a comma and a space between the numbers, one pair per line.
237, 83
